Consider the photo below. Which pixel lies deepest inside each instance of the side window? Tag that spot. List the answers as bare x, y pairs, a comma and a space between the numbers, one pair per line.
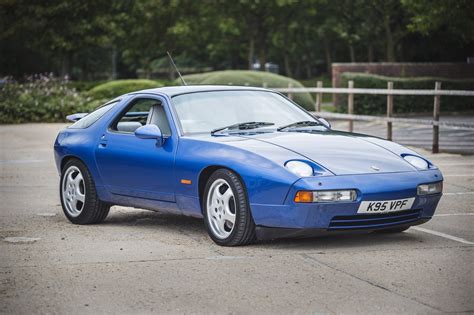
141, 112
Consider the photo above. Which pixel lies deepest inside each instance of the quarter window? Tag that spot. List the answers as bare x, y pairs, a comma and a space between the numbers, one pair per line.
92, 117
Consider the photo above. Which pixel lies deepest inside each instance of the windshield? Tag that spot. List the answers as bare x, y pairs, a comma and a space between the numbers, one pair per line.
207, 111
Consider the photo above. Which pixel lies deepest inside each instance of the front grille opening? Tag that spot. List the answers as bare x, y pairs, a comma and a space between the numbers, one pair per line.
364, 221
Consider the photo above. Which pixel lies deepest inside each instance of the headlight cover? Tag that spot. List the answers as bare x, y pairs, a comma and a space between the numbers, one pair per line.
429, 189
417, 161
299, 168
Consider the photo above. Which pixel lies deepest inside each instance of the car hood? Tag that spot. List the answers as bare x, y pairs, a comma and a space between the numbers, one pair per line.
339, 152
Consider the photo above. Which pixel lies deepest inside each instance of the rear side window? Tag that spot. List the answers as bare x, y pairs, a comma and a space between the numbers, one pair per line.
92, 117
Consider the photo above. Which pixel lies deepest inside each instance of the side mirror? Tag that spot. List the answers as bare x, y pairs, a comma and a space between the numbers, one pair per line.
150, 132
326, 123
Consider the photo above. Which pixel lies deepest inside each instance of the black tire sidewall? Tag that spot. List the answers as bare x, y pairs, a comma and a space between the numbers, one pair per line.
242, 206
90, 205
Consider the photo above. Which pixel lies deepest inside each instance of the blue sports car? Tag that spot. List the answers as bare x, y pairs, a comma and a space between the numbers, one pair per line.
249, 161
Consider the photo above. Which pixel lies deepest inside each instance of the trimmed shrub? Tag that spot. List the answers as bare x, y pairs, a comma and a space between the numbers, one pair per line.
251, 78
42, 98
116, 88
377, 104
84, 86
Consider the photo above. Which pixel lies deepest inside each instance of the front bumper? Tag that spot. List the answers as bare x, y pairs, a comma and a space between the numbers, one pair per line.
299, 218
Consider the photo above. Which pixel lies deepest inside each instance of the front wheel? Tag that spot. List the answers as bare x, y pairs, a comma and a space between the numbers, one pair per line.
79, 199
226, 210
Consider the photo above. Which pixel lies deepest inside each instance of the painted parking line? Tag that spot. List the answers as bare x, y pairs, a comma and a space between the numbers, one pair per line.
449, 237
451, 214
20, 161
459, 193
455, 164
458, 175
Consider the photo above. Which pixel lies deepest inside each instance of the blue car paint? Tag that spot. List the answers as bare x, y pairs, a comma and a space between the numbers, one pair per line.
369, 187
135, 172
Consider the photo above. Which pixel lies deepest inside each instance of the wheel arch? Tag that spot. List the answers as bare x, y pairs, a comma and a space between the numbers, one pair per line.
68, 158
206, 173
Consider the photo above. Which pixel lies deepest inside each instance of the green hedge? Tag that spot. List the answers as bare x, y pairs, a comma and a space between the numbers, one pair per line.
116, 88
377, 104
42, 99
251, 78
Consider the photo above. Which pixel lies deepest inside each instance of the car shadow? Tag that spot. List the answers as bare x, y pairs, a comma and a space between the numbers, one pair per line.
362, 240
194, 228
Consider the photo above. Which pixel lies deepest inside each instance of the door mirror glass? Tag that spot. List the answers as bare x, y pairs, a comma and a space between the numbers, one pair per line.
326, 123
150, 132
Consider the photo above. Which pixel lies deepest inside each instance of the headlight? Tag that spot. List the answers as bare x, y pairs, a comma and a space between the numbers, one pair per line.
417, 162
325, 196
430, 189
299, 168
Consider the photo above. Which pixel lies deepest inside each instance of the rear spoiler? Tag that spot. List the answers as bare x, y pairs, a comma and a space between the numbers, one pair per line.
76, 116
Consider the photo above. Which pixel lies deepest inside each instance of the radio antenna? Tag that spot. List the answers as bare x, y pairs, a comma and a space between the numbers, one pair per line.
174, 65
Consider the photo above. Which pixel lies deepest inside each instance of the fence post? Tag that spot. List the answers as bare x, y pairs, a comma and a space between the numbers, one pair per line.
350, 106
265, 85
319, 96
290, 95
436, 109
389, 110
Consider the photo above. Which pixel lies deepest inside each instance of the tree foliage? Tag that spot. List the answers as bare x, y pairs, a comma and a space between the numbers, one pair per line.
91, 39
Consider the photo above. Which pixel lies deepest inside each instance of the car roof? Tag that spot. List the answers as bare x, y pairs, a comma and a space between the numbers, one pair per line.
177, 90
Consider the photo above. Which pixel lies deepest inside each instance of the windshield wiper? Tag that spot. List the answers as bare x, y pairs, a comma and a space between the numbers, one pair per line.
243, 126
300, 124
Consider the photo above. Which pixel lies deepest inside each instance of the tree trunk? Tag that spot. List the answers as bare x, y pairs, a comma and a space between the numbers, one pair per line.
298, 69
66, 65
113, 74
390, 45
251, 53
172, 72
327, 52
287, 65
352, 52
262, 58
308, 70
370, 53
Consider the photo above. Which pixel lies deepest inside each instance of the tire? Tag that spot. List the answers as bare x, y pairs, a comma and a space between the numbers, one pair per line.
226, 210
78, 195
393, 230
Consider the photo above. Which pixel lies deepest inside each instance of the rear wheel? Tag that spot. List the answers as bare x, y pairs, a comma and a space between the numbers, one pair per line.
226, 210
79, 199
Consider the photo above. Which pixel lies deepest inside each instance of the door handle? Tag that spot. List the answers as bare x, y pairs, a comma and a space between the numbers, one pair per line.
103, 141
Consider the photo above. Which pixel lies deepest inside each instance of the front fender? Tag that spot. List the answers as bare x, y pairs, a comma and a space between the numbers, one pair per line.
266, 179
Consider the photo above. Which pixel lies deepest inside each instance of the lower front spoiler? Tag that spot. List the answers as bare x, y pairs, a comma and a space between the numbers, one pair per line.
269, 233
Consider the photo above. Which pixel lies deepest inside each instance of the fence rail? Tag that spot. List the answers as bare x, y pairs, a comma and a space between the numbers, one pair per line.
426, 122
376, 91
390, 92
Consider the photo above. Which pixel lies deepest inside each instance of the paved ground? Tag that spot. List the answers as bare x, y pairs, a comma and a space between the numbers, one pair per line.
459, 141
139, 261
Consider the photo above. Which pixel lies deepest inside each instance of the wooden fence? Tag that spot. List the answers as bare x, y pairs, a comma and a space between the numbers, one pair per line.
388, 119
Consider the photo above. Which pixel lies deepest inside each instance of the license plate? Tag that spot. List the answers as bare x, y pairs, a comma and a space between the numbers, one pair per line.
385, 206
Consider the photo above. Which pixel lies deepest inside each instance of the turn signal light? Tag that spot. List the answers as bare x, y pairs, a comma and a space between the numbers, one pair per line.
325, 196
304, 196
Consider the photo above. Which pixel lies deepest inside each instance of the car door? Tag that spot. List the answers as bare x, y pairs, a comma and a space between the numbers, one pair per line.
130, 166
